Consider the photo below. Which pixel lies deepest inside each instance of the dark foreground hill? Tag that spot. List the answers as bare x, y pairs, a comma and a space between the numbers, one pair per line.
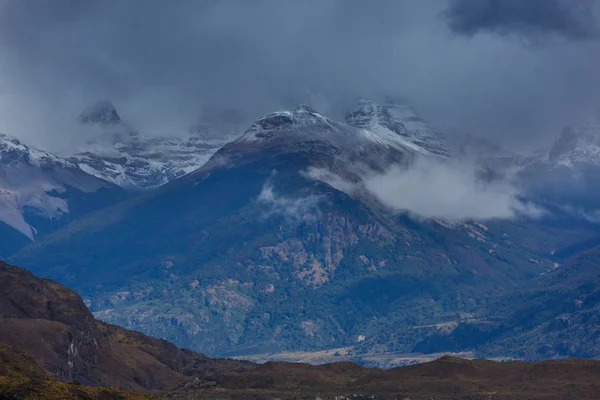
51, 347
21, 377
52, 324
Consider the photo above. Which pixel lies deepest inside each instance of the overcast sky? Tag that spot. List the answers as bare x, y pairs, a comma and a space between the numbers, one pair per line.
512, 70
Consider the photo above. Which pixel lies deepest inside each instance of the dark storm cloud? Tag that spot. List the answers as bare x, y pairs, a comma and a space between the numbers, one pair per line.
571, 19
162, 61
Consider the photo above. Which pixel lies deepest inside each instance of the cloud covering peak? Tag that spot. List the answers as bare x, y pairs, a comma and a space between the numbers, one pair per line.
451, 191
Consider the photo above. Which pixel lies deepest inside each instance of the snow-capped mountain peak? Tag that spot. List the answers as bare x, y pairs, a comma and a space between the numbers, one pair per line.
266, 127
369, 138
577, 145
119, 154
399, 123
13, 151
368, 126
31, 181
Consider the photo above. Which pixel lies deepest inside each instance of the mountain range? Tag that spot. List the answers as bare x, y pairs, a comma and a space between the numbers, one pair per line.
285, 240
41, 191
119, 154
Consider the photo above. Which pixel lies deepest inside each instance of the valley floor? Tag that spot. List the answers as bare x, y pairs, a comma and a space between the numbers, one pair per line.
348, 354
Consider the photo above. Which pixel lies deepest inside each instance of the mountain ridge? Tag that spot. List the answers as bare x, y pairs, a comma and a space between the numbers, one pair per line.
121, 155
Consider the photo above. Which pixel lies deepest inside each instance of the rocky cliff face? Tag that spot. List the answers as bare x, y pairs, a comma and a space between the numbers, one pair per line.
30, 306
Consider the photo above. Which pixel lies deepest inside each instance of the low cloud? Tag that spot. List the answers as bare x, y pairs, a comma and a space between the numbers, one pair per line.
296, 209
429, 189
578, 212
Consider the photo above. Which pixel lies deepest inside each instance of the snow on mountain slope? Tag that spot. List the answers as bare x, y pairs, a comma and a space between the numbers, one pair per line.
575, 150
303, 123
401, 123
325, 142
32, 181
398, 124
566, 176
121, 155
577, 145
369, 125
368, 143
136, 161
